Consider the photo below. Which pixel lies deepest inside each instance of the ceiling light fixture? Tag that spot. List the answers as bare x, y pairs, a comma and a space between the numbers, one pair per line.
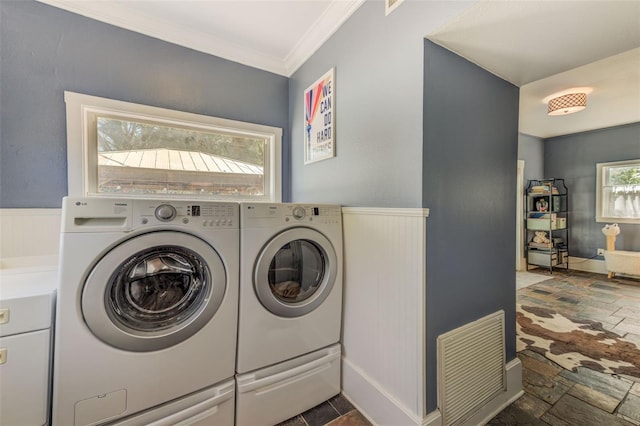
567, 104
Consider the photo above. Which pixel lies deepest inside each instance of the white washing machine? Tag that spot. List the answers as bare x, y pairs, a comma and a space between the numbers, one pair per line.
290, 310
146, 313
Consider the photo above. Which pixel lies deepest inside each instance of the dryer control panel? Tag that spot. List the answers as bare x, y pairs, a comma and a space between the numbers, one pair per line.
263, 213
320, 213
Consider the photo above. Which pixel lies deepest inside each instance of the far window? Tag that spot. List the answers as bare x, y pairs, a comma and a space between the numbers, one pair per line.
618, 192
121, 149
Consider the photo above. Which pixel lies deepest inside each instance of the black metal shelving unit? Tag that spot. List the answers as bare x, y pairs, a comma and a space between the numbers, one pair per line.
547, 211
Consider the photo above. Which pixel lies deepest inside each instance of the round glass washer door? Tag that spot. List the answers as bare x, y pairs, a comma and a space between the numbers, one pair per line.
295, 272
153, 291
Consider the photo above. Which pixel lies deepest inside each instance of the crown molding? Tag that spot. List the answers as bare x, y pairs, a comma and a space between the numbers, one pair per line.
322, 29
117, 14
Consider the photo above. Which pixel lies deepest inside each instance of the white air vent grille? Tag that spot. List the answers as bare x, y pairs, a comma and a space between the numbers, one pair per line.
471, 367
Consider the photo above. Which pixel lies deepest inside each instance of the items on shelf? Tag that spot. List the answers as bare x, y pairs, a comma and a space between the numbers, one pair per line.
540, 240
542, 205
543, 189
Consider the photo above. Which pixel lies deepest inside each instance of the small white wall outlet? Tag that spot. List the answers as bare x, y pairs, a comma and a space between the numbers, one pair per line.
600, 252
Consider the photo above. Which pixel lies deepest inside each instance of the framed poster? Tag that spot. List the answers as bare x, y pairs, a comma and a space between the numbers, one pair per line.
319, 125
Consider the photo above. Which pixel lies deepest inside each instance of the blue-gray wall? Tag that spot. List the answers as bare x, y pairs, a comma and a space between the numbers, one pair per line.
531, 151
45, 51
469, 184
574, 157
414, 130
378, 112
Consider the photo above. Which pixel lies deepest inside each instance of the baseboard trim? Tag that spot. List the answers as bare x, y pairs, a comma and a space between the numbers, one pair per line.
373, 401
434, 418
587, 265
380, 408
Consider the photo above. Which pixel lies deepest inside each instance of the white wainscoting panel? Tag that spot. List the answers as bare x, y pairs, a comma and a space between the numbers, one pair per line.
29, 232
384, 313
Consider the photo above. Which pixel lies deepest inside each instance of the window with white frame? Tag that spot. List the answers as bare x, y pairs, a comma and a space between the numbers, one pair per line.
121, 149
618, 192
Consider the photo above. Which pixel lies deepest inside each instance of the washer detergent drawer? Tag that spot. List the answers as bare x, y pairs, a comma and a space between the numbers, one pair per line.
276, 393
212, 406
24, 378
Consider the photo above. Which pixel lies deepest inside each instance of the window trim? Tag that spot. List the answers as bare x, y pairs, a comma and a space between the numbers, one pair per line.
600, 175
82, 160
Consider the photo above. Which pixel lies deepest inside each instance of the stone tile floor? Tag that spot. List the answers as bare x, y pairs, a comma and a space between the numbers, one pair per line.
584, 397
553, 396
337, 411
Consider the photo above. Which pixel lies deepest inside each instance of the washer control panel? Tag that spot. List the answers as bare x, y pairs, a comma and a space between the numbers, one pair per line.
86, 214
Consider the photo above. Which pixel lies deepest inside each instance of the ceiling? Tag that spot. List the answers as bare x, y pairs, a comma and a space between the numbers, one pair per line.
541, 46
547, 47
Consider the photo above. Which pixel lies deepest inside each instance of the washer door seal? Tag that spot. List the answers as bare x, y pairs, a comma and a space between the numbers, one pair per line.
153, 291
295, 272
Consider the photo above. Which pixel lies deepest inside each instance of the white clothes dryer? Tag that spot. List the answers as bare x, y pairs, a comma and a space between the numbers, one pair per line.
146, 312
290, 309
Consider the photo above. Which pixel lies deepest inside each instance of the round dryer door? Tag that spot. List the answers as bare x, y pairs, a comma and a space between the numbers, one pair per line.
153, 291
295, 272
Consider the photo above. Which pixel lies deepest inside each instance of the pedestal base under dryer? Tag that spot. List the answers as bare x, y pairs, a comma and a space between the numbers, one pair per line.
276, 393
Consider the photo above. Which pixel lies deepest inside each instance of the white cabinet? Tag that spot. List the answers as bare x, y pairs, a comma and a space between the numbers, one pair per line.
27, 297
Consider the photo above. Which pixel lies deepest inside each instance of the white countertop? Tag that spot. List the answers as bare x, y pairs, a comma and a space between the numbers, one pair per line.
26, 276
17, 265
